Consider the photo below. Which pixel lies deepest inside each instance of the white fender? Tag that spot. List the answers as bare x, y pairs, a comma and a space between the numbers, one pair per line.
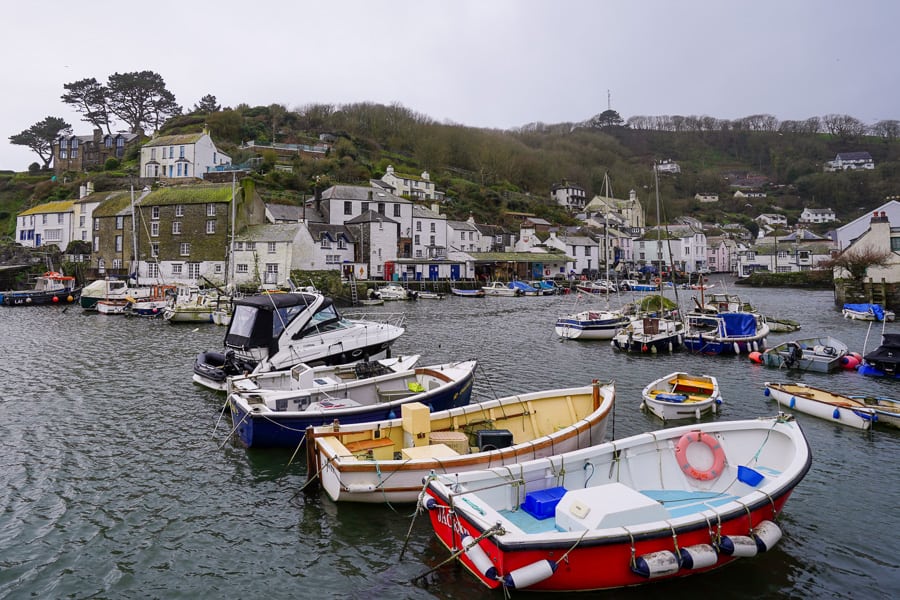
699, 556
737, 545
767, 534
656, 564
530, 574
479, 558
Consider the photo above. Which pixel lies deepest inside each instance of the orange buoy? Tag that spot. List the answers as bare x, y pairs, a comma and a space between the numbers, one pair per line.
755, 357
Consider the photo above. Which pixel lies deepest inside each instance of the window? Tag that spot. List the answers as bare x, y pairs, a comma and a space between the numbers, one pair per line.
462, 235
154, 212
416, 240
152, 270
81, 221
176, 227
107, 142
396, 210
325, 242
433, 228
118, 243
193, 270
44, 219
117, 263
418, 225
381, 208
342, 244
177, 268
96, 244
217, 268
180, 151
171, 151
179, 210
152, 153
271, 275
251, 246
63, 153
365, 206
271, 248
242, 268
59, 218
185, 248
101, 265
431, 240
210, 209
210, 226
96, 224
418, 254
63, 143
348, 207
154, 249
179, 169
154, 229
895, 244
120, 222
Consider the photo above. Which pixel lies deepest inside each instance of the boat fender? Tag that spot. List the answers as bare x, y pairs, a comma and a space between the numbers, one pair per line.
836, 414
737, 546
766, 534
479, 558
430, 504
755, 357
767, 393
710, 442
699, 556
530, 574
361, 488
656, 564
792, 402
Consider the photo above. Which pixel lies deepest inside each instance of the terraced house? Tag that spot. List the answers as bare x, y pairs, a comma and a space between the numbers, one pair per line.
112, 239
184, 231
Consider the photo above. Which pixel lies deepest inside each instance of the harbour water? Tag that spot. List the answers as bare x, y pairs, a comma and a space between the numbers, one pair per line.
119, 480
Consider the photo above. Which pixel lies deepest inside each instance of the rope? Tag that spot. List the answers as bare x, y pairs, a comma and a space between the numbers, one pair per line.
221, 414
420, 505
234, 429
487, 532
311, 479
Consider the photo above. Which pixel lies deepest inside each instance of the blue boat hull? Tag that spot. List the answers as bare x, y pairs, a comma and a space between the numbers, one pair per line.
271, 430
716, 346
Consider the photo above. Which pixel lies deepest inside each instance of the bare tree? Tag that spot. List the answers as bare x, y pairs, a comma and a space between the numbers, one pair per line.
856, 261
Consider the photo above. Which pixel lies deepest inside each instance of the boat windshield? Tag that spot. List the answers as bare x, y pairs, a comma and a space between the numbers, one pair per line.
285, 315
325, 318
242, 320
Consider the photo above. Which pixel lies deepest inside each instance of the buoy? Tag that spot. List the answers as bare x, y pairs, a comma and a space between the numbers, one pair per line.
836, 414
849, 362
857, 356
755, 346
766, 534
644, 348
656, 564
69, 298
792, 403
767, 393
430, 503
530, 574
755, 357
737, 545
699, 556
55, 299
479, 558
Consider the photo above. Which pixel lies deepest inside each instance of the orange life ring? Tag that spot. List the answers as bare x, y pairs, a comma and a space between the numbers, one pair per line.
712, 443
657, 280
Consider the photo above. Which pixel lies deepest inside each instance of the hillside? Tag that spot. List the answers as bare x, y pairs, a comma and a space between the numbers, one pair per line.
486, 172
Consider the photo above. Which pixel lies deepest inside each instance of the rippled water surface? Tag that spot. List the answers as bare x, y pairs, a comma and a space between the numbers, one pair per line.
118, 479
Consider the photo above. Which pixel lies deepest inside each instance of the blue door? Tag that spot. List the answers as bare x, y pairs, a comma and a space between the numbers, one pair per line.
433, 272
37, 240
454, 272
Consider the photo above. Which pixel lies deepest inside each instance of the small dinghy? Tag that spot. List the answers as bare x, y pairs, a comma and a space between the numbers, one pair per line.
821, 403
682, 396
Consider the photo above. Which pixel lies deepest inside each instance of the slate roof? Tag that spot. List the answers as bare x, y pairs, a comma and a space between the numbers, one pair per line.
58, 206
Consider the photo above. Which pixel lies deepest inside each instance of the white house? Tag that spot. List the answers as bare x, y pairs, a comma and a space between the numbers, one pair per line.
463, 236
568, 195
265, 254
429, 233
817, 215
685, 249
879, 235
846, 234
181, 156
706, 197
46, 224
583, 249
376, 238
771, 219
417, 188
668, 167
850, 161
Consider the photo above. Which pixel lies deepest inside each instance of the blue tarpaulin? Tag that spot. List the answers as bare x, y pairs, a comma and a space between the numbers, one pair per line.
738, 324
875, 309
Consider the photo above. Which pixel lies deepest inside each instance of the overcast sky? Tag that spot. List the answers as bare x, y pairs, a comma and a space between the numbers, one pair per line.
481, 63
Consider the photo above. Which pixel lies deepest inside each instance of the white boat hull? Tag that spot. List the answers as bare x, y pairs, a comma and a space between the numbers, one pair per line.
801, 398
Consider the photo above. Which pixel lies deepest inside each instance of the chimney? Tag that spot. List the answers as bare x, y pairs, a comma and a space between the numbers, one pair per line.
90, 188
436, 207
82, 191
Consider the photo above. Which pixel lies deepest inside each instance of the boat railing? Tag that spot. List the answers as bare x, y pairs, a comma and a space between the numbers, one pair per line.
396, 319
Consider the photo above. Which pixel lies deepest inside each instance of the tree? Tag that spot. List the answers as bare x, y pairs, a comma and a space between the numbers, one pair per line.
88, 97
856, 262
207, 105
608, 118
40, 137
140, 99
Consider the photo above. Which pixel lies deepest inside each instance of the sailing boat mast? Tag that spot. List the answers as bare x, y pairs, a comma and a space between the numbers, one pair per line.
230, 272
135, 264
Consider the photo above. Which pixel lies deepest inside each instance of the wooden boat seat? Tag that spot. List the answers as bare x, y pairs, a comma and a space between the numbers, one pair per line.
685, 384
391, 395
365, 445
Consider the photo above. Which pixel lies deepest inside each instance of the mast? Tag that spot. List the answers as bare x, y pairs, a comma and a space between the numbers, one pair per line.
135, 264
230, 271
